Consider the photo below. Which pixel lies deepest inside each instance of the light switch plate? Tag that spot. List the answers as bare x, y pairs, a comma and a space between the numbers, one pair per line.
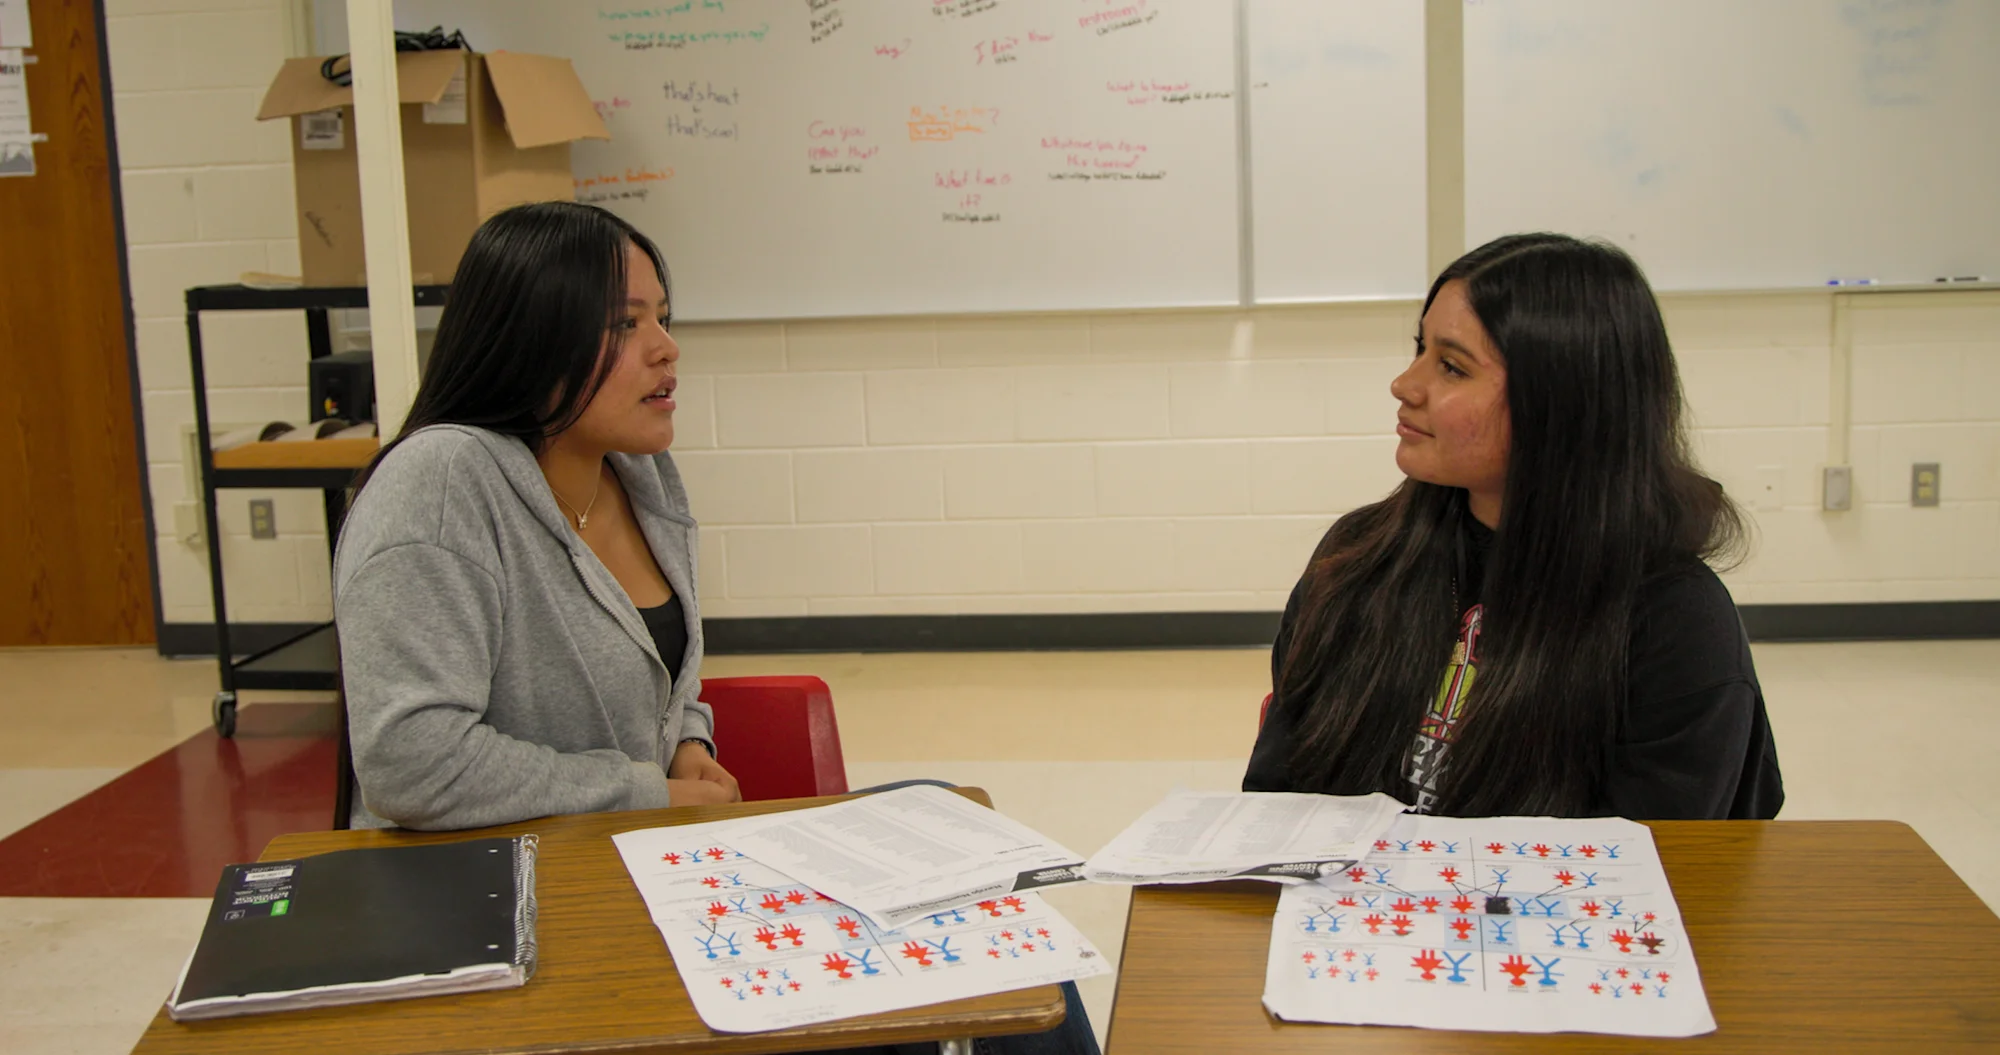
1838, 493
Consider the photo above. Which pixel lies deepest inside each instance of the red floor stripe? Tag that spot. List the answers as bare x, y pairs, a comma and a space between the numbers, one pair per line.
166, 828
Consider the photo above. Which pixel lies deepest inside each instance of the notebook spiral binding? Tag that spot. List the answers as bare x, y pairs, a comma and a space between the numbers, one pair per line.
524, 904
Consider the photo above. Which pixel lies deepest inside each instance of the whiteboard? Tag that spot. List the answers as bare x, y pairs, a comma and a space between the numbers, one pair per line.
1742, 145
1337, 149
798, 158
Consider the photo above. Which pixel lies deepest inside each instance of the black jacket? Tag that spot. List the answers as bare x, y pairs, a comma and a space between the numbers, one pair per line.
1694, 743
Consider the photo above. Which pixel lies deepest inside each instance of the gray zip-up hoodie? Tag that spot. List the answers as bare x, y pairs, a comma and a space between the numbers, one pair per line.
494, 669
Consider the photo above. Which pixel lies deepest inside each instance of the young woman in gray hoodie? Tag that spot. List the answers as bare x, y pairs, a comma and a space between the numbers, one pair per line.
514, 585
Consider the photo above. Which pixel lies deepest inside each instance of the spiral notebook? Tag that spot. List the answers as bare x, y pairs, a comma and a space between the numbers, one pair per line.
381, 923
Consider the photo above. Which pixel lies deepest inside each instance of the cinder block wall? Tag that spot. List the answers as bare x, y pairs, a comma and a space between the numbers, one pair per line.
1072, 463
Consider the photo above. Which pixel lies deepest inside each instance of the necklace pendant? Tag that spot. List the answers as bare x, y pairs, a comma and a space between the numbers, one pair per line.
582, 521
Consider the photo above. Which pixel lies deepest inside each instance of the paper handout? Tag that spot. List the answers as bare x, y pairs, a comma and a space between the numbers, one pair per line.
904, 854
1200, 836
1525, 924
759, 950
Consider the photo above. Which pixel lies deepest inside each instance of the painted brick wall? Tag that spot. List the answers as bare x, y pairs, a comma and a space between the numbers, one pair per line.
208, 196
1112, 462
1167, 461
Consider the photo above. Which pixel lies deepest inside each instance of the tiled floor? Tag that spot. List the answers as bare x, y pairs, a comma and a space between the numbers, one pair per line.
1075, 744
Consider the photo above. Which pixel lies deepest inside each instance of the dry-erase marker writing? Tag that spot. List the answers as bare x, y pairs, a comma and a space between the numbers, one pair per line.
1850, 282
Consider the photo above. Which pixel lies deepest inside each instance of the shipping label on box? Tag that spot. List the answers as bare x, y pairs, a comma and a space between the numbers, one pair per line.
326, 130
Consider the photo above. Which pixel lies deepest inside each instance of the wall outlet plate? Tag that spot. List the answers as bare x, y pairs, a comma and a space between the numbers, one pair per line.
1837, 493
1924, 489
263, 519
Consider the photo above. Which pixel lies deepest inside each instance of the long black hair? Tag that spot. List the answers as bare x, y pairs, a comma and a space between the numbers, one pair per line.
1601, 492
520, 348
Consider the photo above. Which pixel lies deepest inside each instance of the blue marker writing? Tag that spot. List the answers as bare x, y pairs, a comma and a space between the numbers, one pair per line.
1850, 282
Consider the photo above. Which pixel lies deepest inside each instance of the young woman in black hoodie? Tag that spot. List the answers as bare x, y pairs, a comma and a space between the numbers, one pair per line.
1529, 624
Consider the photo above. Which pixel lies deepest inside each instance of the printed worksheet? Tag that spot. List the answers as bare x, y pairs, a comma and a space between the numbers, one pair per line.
1285, 837
759, 951
1523, 924
901, 855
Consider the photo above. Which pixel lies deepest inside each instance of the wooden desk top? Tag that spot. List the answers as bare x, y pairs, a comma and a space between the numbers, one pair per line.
604, 981
1829, 936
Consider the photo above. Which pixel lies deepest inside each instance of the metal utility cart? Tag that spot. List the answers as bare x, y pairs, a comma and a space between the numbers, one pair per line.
308, 660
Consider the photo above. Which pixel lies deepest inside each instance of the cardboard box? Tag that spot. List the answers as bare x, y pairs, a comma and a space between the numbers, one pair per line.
480, 133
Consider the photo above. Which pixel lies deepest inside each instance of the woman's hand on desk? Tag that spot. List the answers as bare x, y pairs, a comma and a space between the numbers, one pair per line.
696, 778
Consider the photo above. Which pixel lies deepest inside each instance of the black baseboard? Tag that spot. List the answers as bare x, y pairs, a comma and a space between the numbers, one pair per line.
1922, 620
1887, 621
1906, 621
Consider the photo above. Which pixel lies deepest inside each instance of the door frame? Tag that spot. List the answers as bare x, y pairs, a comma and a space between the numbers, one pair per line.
138, 409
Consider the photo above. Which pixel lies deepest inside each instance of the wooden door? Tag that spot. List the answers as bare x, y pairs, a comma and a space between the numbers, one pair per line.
74, 565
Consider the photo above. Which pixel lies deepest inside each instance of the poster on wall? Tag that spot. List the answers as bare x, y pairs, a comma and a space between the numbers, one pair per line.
17, 140
14, 29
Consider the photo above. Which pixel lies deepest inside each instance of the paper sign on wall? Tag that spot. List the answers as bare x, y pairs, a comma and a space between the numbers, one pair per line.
15, 31
17, 138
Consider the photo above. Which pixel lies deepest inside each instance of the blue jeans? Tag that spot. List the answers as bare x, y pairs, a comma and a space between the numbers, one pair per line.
1073, 1037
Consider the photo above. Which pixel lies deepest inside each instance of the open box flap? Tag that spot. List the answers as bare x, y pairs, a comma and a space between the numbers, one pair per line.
543, 100
421, 77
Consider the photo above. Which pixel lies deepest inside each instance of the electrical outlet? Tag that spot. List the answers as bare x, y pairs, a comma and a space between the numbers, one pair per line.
1770, 487
263, 519
1838, 493
1924, 489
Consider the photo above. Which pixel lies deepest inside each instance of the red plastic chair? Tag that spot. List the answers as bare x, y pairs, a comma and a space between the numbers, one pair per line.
777, 735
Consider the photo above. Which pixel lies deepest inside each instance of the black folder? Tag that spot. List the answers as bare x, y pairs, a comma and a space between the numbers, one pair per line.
380, 923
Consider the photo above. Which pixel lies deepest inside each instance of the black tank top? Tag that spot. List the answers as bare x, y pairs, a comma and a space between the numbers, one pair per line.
668, 625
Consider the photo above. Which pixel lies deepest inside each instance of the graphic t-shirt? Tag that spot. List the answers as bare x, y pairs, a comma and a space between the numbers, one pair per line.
1440, 726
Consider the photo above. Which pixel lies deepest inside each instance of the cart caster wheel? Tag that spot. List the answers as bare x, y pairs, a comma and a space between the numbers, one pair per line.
223, 711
